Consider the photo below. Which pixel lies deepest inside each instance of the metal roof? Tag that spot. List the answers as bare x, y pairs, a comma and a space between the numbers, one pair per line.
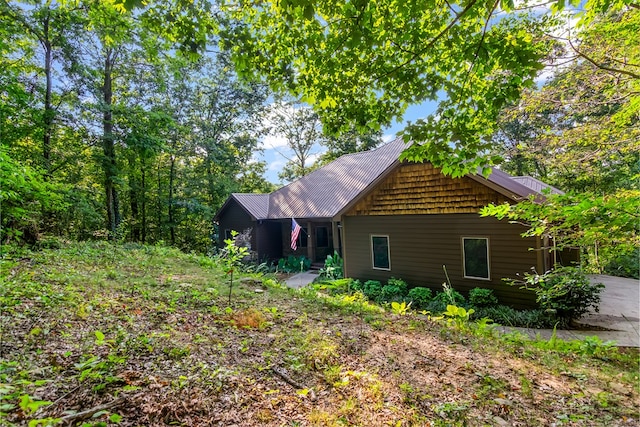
327, 191
536, 185
257, 205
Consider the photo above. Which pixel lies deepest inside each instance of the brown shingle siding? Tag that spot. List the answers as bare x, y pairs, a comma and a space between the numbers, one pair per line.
414, 189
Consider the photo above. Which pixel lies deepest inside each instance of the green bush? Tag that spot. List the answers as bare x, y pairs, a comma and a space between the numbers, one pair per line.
450, 296
436, 306
565, 291
372, 289
27, 200
335, 287
401, 284
294, 264
391, 293
480, 297
356, 285
625, 265
419, 297
508, 316
441, 300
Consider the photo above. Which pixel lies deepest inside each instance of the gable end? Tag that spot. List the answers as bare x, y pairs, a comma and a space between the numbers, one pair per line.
420, 188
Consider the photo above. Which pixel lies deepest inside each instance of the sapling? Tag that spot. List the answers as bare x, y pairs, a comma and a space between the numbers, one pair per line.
231, 257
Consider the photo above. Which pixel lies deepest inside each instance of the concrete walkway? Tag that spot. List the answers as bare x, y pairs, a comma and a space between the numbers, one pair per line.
619, 312
301, 280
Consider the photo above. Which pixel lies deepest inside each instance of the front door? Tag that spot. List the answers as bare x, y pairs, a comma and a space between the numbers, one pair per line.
323, 242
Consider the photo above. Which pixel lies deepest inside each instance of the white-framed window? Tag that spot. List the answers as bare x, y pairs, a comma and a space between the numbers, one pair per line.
380, 252
475, 258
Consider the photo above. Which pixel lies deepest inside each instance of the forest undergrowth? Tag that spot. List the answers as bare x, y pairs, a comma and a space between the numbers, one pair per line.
98, 334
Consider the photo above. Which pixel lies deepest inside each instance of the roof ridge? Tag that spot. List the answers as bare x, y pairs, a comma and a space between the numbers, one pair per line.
357, 153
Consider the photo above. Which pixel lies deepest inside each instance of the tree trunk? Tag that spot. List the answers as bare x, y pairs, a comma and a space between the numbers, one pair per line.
160, 231
109, 150
133, 200
143, 202
49, 112
172, 172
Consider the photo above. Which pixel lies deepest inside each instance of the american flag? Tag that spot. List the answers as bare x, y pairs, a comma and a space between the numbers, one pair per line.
295, 232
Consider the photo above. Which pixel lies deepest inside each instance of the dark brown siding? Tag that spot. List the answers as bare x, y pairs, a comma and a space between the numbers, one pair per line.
236, 218
317, 254
422, 189
421, 244
269, 238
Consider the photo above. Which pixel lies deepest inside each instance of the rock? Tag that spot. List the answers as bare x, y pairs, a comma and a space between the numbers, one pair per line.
499, 421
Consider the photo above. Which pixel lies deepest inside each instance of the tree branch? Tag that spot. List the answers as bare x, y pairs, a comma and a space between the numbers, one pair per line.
477, 52
601, 66
432, 42
79, 416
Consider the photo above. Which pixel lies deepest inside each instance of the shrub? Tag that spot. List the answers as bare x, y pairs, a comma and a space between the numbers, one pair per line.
437, 305
372, 289
479, 297
419, 297
565, 291
441, 300
356, 285
391, 293
508, 316
401, 284
294, 264
334, 287
624, 265
450, 296
332, 267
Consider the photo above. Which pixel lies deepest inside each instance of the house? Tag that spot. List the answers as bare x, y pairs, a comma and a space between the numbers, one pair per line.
398, 219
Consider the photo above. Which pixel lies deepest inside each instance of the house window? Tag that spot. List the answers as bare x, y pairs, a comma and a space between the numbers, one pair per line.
302, 238
380, 256
475, 254
227, 234
322, 237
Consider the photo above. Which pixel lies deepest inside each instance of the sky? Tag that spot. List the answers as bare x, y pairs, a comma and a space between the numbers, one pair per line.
275, 146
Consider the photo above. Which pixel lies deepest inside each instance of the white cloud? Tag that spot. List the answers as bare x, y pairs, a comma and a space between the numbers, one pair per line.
274, 141
314, 157
388, 137
276, 165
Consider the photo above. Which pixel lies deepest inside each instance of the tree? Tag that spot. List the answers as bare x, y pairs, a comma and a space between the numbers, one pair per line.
47, 27
581, 130
363, 63
348, 142
24, 194
252, 180
300, 127
225, 118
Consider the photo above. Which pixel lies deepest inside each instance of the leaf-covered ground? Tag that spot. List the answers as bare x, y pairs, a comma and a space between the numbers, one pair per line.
97, 334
